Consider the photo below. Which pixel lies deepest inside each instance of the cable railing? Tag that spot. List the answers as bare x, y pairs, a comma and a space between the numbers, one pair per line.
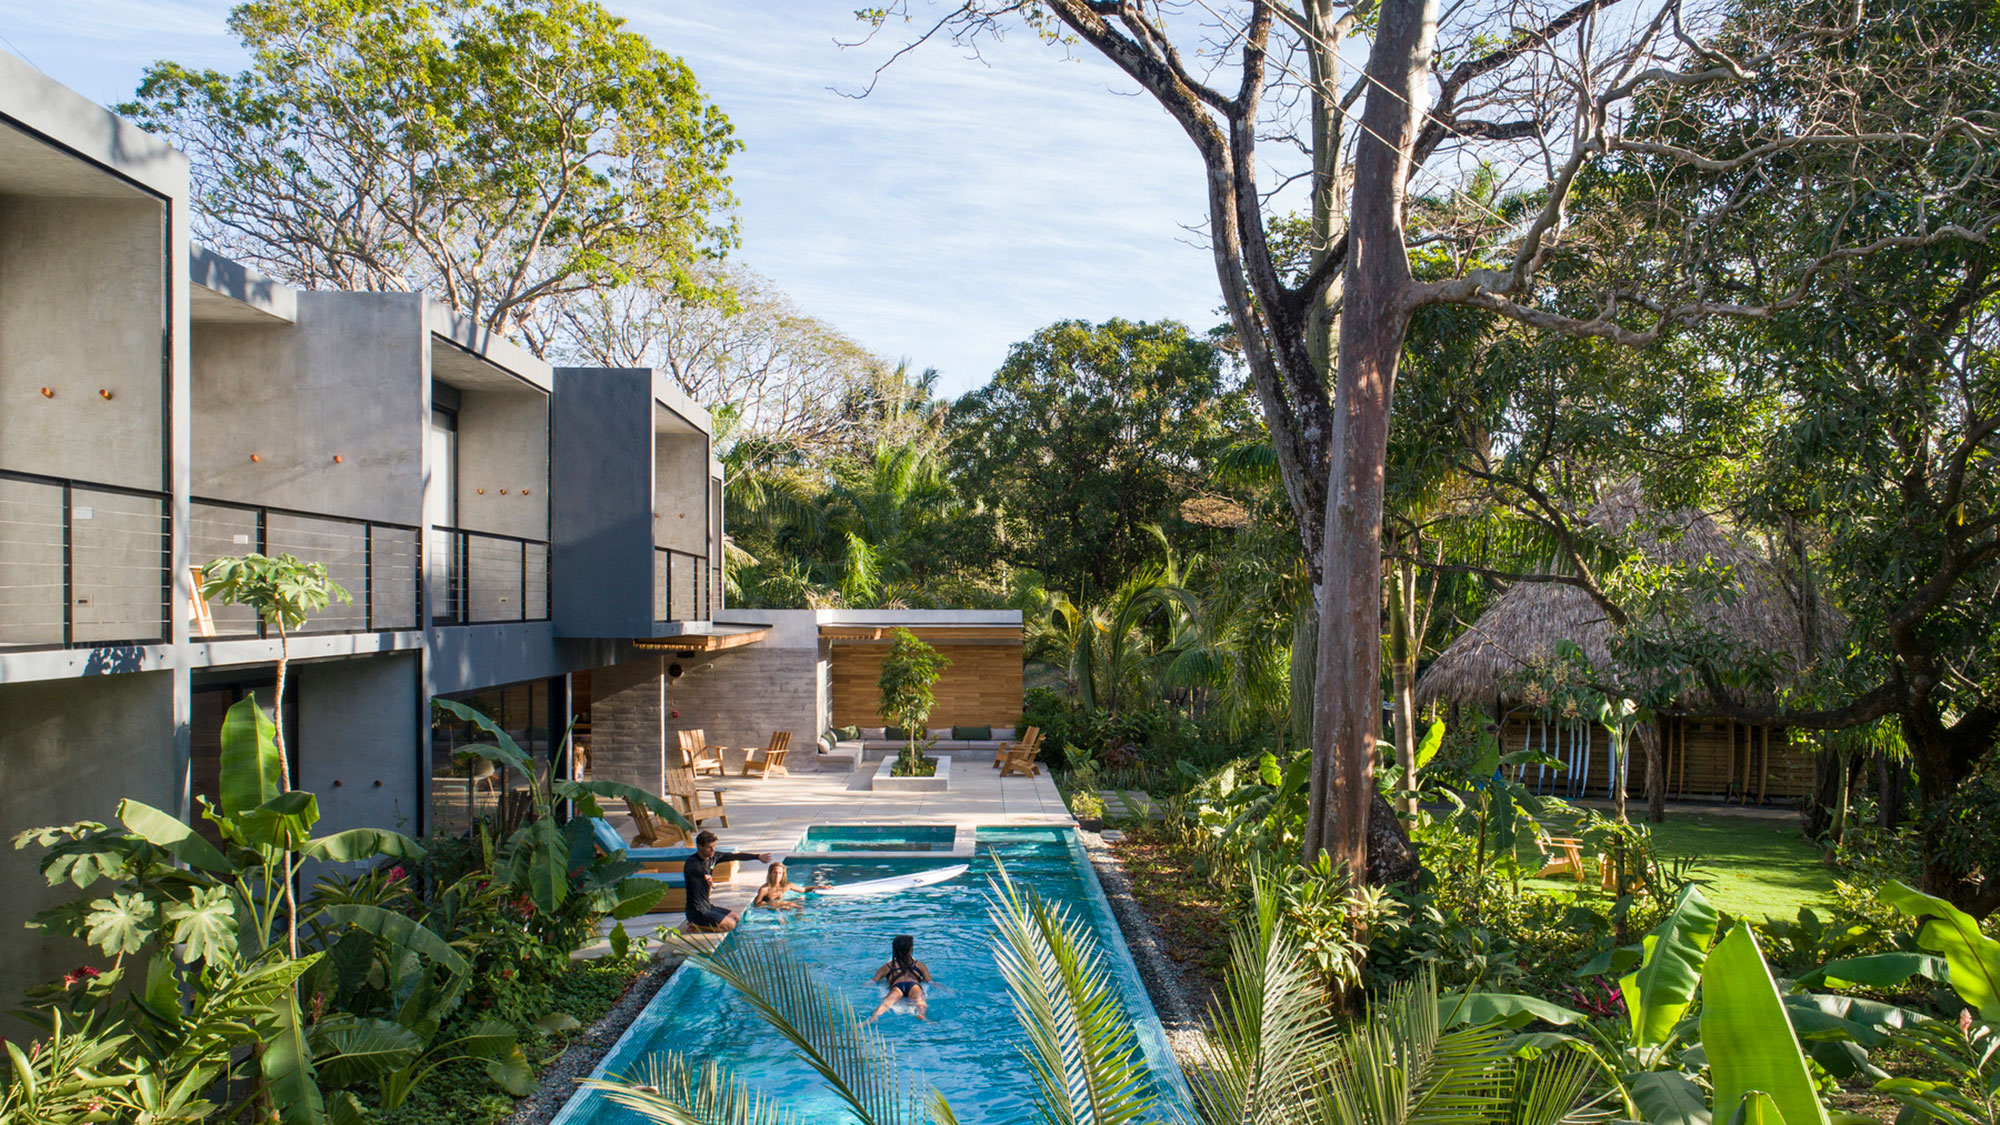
490, 578
683, 585
376, 562
82, 564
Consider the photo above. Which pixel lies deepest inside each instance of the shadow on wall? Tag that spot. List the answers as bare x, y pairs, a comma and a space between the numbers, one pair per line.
114, 659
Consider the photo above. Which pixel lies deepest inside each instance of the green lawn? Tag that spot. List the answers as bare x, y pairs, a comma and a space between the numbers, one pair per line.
1752, 867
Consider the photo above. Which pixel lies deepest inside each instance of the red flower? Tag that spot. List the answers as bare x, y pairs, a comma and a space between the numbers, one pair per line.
396, 873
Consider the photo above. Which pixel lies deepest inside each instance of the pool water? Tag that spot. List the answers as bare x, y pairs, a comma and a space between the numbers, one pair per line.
969, 1049
822, 838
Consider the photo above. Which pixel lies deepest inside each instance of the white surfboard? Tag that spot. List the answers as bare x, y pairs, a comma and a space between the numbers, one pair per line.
895, 883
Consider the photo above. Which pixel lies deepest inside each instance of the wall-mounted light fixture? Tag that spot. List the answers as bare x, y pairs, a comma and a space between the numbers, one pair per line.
47, 393
254, 457
336, 458
104, 394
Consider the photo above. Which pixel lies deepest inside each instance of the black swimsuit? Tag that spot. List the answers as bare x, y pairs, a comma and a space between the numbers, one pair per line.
916, 977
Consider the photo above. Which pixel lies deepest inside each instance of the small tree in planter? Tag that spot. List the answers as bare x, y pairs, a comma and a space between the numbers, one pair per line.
909, 673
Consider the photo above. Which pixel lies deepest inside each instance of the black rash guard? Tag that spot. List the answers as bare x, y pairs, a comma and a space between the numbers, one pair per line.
699, 874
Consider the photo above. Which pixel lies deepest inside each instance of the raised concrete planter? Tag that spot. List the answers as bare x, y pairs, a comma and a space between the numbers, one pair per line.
937, 783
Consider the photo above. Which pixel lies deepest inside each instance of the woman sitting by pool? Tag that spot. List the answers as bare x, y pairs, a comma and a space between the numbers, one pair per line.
906, 977
772, 893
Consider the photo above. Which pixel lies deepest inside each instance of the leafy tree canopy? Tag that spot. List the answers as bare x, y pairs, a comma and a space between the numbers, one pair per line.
1089, 433
503, 154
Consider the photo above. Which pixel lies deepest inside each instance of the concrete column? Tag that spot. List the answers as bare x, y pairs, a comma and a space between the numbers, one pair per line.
628, 723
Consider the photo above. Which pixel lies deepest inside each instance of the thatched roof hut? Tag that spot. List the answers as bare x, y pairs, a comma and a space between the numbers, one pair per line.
1482, 666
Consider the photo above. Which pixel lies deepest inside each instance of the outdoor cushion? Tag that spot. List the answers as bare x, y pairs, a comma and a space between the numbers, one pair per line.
940, 732
670, 878
827, 742
1005, 734
972, 734
606, 836
874, 734
846, 734
895, 734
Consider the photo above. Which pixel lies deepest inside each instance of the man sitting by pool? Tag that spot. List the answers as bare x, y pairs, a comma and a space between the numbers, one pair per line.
698, 873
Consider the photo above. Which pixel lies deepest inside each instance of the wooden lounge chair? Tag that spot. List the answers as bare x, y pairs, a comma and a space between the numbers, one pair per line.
649, 832
685, 790
1031, 740
1565, 857
765, 759
698, 754
1021, 759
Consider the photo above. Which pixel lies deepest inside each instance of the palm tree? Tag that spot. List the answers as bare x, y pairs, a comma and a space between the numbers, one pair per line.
1276, 1056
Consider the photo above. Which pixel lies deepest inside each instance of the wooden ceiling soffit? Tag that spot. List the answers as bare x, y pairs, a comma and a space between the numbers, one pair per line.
700, 642
987, 634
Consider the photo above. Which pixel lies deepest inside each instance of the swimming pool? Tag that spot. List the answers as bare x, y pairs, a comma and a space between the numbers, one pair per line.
970, 1048
822, 838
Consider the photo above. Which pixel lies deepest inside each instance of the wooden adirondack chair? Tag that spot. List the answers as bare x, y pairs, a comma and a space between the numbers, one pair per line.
1565, 857
698, 754
1021, 758
649, 832
685, 789
1030, 741
765, 759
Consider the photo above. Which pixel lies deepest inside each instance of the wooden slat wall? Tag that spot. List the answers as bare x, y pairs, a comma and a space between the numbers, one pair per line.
982, 686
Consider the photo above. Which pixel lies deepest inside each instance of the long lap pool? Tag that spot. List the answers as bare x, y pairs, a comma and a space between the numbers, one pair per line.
969, 1049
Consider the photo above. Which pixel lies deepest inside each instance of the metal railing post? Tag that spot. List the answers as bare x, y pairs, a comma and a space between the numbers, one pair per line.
68, 567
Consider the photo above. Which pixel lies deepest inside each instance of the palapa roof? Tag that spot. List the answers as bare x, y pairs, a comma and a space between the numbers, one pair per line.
1530, 618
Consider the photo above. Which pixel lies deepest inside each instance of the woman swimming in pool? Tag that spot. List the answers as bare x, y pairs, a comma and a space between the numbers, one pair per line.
906, 977
772, 893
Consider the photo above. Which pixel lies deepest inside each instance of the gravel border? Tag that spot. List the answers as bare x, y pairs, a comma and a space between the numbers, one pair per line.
1175, 997
559, 1078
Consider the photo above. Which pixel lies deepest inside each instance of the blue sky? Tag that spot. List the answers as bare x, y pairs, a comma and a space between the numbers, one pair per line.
952, 212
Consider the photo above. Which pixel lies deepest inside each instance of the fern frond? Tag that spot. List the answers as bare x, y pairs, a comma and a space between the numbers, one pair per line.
669, 1090
1081, 1046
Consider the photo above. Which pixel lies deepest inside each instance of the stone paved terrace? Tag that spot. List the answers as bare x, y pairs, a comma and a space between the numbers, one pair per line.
770, 814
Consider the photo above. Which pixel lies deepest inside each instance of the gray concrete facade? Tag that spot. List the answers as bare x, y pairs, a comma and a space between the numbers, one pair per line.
195, 408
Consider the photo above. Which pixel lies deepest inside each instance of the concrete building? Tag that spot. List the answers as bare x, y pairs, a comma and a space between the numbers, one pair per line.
507, 530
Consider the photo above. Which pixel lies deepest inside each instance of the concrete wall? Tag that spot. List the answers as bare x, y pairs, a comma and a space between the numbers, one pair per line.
628, 737
601, 479
83, 310
503, 463
349, 381
360, 744
69, 751
739, 697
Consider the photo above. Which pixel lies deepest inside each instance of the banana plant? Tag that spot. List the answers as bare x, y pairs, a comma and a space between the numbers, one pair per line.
205, 936
542, 852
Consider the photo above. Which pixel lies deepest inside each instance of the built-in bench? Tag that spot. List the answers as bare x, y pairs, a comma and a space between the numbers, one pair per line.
849, 754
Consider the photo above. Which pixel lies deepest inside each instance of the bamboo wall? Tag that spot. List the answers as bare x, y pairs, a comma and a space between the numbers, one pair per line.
1705, 758
981, 687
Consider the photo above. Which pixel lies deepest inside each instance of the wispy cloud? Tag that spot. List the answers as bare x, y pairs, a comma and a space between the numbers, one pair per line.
957, 208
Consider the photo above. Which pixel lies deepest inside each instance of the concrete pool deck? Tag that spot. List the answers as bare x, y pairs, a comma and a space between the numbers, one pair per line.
771, 814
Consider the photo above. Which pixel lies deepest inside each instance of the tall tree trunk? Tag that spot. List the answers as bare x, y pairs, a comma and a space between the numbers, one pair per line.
1656, 770
1403, 679
1374, 320
1889, 775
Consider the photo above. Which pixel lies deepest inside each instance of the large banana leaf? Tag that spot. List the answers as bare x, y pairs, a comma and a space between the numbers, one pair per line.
402, 932
170, 833
287, 1065
1877, 970
348, 1049
1459, 1009
249, 760
1658, 993
1668, 1097
1943, 928
1749, 1042
541, 862
362, 843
